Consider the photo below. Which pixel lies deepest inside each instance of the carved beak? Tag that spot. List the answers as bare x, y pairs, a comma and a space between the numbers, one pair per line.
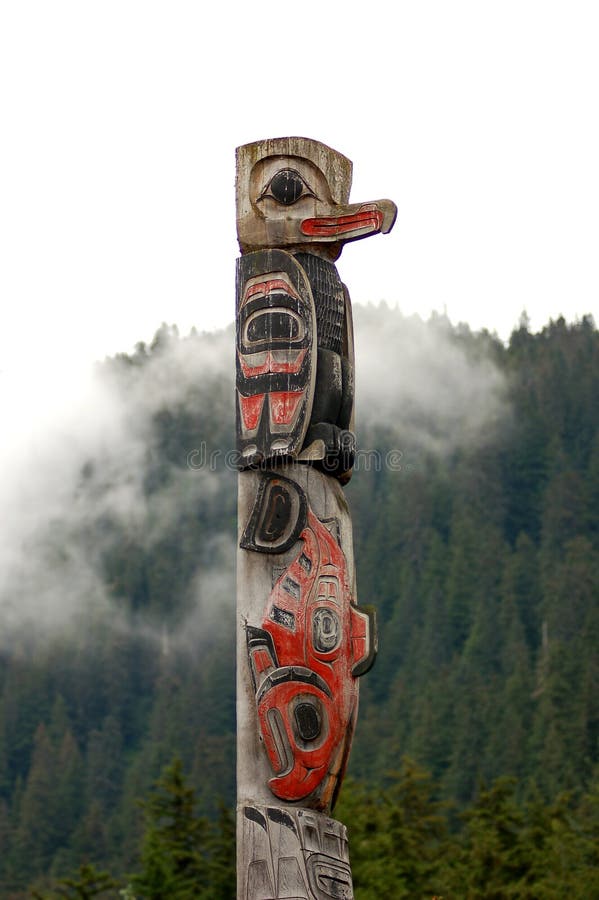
350, 223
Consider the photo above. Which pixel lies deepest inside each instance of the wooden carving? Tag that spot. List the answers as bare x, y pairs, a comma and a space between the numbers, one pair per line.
303, 640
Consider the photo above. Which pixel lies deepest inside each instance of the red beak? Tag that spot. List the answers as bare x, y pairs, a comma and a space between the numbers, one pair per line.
363, 220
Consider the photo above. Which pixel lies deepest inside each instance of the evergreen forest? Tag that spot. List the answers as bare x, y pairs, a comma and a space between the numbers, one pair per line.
475, 499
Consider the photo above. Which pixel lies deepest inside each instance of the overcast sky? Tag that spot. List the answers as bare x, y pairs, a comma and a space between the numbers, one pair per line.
120, 120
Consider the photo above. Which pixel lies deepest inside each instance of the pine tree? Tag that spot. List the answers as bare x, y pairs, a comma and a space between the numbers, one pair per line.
221, 862
173, 863
493, 855
86, 885
397, 835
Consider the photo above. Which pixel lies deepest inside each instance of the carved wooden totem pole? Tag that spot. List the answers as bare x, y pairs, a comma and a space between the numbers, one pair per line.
302, 639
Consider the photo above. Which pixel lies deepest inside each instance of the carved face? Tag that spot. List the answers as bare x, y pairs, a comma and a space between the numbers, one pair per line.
294, 192
275, 357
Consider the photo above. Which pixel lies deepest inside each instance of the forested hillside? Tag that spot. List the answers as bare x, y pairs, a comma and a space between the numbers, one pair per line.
475, 503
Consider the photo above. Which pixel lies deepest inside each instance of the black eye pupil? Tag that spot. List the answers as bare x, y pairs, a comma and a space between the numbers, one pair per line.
287, 186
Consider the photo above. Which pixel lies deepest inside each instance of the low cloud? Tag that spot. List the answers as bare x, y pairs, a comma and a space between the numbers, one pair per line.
418, 380
79, 454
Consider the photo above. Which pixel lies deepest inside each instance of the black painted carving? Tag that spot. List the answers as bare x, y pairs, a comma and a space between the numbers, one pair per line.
366, 664
283, 617
275, 356
278, 516
287, 186
326, 629
254, 816
314, 863
275, 814
308, 721
329, 300
333, 402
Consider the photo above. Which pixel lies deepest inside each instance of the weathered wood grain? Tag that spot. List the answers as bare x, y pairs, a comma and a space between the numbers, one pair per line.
302, 638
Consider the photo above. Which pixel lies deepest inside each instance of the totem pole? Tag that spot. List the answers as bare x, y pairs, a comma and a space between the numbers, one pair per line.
302, 639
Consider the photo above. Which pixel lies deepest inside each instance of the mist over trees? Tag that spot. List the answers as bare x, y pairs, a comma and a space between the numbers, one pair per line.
475, 506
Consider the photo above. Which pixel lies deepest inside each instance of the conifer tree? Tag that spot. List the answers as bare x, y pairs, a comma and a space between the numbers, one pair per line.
173, 864
88, 884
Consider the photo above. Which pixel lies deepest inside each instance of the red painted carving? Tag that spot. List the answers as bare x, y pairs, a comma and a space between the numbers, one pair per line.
272, 362
283, 406
268, 286
367, 217
275, 329
251, 410
304, 661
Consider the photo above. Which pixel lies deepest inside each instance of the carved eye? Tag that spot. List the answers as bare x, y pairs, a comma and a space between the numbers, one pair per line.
308, 721
286, 187
326, 629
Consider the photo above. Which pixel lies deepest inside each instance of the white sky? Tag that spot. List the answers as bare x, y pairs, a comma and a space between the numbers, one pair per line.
119, 122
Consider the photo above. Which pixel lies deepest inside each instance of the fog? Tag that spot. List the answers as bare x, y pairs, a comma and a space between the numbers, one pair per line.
77, 453
421, 382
